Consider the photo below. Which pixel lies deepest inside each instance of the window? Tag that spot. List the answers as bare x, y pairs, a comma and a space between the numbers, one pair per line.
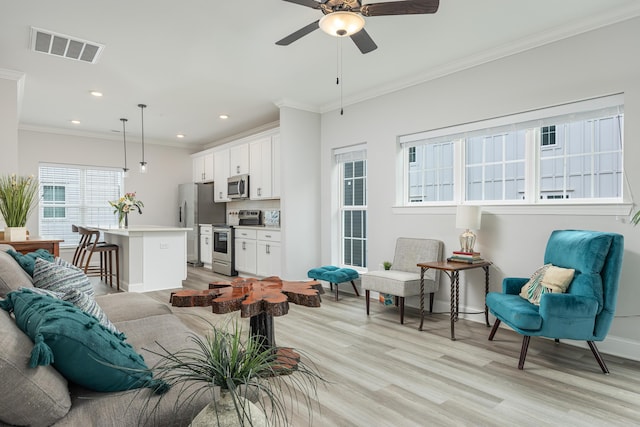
562, 154
53, 195
352, 166
431, 172
76, 195
548, 135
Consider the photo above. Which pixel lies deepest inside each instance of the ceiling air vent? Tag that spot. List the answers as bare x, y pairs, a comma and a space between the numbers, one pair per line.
64, 46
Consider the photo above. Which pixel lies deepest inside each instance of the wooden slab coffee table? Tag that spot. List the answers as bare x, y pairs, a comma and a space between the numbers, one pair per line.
258, 299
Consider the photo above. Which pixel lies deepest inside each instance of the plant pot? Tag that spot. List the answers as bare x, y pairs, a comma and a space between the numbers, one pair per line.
15, 234
222, 412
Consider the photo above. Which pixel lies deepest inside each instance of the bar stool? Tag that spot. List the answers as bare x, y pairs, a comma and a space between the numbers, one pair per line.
90, 244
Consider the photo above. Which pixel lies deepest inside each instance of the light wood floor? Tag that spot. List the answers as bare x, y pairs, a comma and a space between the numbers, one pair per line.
381, 373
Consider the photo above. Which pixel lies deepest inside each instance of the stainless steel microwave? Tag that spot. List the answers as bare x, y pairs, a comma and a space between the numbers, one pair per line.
238, 187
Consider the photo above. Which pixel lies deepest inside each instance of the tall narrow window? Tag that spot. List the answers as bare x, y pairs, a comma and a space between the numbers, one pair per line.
76, 195
353, 207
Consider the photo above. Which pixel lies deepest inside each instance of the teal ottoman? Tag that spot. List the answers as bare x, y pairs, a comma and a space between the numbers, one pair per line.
335, 275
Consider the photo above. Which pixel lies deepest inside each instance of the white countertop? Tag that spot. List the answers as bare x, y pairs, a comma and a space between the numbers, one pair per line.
256, 227
140, 228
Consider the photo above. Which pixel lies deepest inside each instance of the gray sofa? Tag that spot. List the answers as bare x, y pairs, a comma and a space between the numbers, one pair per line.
42, 396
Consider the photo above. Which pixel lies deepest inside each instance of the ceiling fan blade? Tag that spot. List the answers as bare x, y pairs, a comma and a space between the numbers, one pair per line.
408, 7
298, 34
364, 42
309, 3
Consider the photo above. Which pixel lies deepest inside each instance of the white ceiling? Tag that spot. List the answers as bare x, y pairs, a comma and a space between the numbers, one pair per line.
192, 61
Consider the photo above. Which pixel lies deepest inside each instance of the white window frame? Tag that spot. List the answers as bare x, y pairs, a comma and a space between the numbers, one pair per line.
70, 239
534, 119
340, 156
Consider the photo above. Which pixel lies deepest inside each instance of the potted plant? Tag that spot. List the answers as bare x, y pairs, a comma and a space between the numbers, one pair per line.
386, 265
246, 382
124, 205
18, 198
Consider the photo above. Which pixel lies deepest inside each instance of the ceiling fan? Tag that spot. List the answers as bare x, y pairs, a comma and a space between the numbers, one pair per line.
345, 18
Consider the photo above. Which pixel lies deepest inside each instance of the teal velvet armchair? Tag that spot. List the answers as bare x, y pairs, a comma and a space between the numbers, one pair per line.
585, 311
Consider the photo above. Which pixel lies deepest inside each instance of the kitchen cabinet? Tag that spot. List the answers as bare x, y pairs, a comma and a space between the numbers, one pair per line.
239, 159
268, 256
221, 173
264, 168
206, 245
245, 251
203, 168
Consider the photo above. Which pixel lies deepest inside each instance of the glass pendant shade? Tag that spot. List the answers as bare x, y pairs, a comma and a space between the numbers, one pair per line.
341, 24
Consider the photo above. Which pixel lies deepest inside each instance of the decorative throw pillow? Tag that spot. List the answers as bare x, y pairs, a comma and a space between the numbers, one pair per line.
59, 278
30, 397
87, 304
82, 350
558, 281
12, 276
27, 261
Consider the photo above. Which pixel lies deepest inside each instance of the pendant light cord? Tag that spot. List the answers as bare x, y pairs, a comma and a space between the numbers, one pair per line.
339, 76
142, 107
124, 138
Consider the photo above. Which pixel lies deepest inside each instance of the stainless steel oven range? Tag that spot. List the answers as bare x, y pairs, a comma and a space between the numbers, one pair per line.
223, 257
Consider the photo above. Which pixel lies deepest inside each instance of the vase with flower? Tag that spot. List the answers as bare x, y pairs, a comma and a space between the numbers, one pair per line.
18, 198
124, 205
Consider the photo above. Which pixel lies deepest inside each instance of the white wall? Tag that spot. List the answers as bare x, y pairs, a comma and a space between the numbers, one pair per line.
158, 188
8, 127
300, 187
592, 64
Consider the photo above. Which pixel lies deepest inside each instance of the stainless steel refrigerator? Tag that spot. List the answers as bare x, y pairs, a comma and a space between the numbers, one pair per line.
196, 206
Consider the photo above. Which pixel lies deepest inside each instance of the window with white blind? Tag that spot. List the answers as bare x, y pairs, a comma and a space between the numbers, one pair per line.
562, 154
352, 165
76, 195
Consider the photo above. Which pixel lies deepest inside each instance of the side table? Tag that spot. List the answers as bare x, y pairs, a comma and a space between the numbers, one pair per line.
453, 269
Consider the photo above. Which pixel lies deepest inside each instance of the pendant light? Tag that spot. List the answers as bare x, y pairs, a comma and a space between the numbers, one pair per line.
125, 169
143, 164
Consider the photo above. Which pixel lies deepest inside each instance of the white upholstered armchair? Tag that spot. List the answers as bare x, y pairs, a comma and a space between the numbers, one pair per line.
403, 279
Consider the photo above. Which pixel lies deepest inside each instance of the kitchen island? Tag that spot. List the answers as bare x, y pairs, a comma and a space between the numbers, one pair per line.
152, 257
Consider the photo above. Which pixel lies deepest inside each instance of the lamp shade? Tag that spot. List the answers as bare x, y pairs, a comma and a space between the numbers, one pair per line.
341, 23
468, 217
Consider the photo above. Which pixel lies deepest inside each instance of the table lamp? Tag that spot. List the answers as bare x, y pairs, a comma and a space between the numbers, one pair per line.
468, 217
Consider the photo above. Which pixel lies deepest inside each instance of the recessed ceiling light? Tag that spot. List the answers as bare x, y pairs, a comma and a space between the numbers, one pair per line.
224, 116
75, 122
179, 135
96, 93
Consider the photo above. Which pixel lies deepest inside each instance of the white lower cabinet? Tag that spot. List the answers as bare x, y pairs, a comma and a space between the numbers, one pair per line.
258, 252
269, 257
245, 251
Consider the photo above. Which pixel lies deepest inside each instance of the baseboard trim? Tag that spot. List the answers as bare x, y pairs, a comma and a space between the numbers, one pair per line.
612, 345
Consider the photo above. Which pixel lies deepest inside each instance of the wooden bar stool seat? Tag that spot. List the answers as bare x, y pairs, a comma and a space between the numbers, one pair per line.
90, 244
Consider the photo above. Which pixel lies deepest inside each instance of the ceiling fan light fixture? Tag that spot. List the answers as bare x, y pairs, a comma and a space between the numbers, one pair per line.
341, 23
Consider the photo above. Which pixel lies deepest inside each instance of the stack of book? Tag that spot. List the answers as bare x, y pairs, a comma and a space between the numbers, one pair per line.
467, 257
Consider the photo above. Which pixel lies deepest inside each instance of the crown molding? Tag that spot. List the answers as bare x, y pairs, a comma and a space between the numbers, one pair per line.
569, 30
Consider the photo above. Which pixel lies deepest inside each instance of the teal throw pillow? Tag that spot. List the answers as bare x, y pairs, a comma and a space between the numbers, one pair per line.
60, 278
81, 349
27, 261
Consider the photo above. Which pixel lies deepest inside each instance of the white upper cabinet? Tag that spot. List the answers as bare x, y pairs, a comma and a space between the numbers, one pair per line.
203, 168
221, 169
264, 161
239, 160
